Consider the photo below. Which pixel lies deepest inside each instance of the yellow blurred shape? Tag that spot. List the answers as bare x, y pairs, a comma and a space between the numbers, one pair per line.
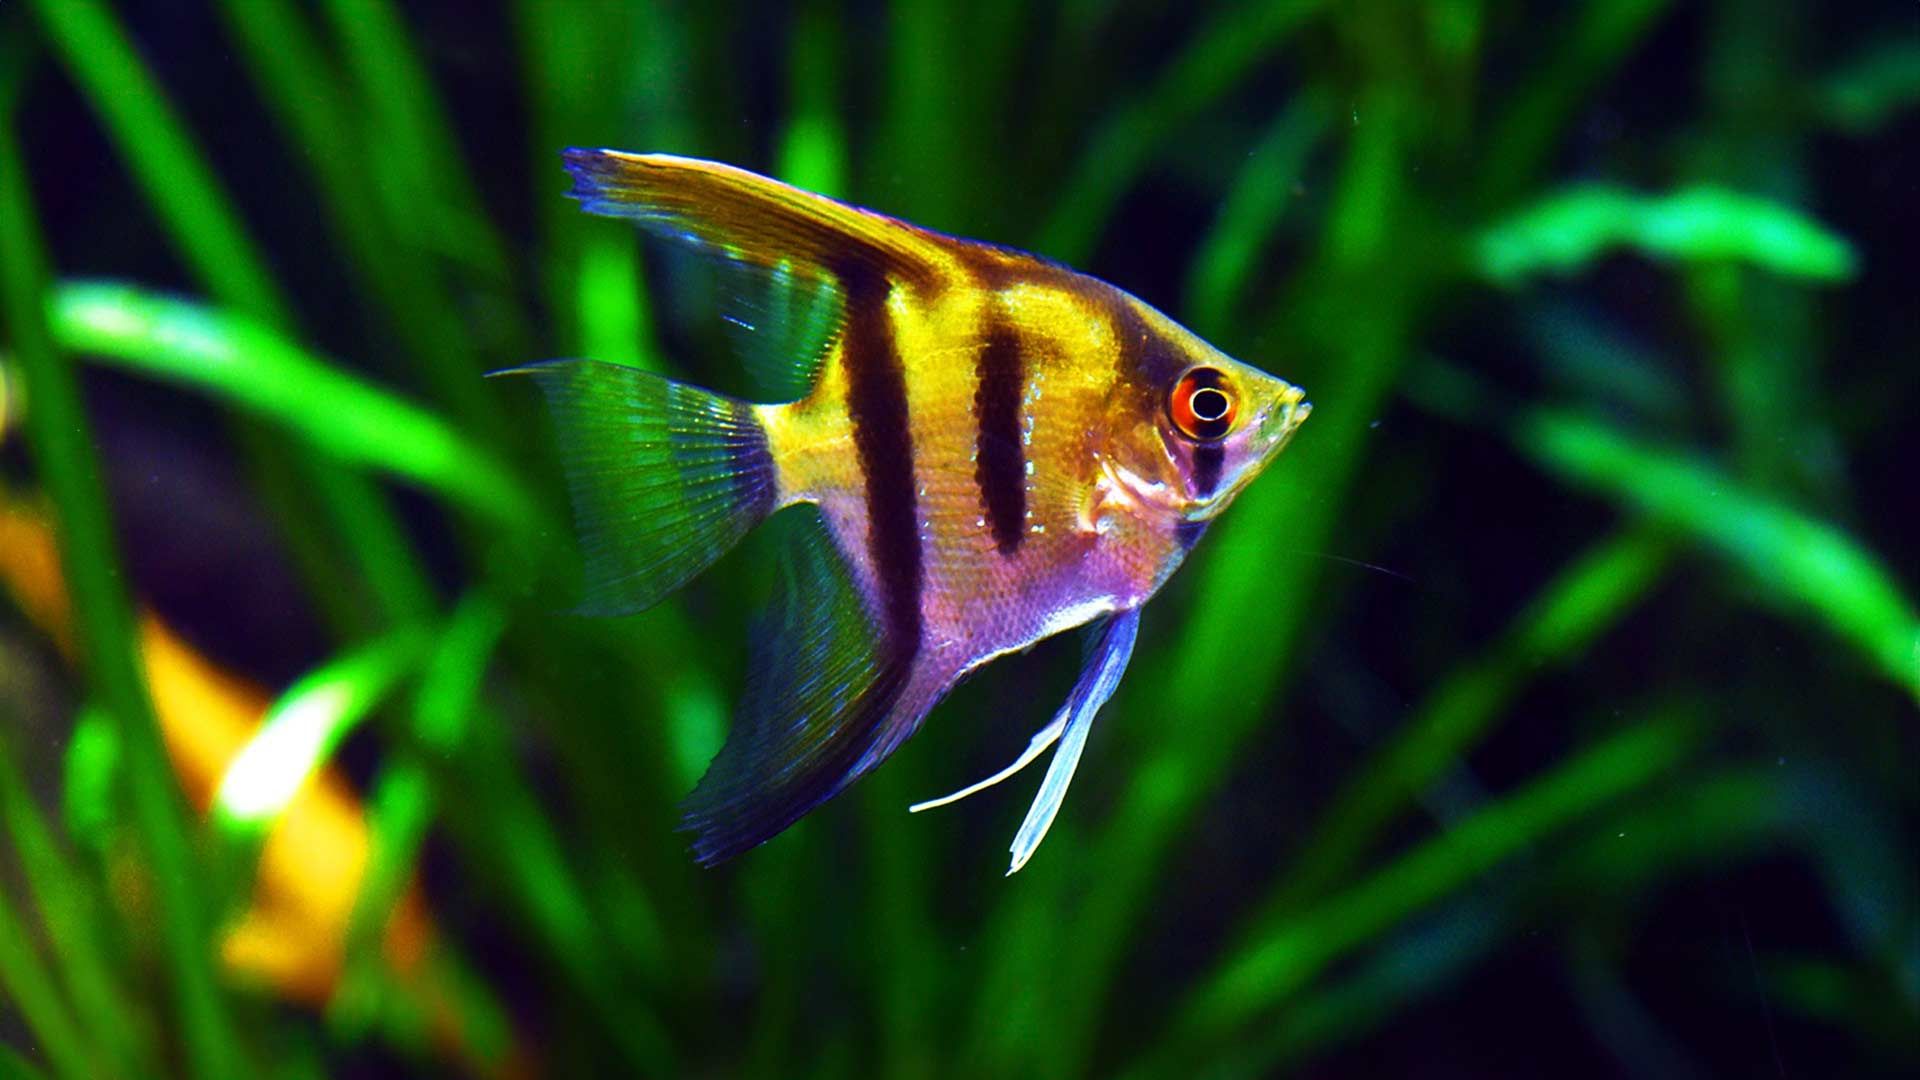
292, 938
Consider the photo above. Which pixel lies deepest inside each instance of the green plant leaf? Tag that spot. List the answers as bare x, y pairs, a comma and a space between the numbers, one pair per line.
1219, 55
1566, 232
1875, 87
1790, 556
1274, 961
257, 369
304, 725
60, 436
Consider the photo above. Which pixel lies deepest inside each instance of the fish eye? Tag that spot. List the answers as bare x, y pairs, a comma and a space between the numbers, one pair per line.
1202, 405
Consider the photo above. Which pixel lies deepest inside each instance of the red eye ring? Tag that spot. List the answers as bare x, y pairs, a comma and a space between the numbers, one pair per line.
1203, 405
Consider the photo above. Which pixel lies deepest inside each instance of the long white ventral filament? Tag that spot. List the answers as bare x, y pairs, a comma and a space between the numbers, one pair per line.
1097, 682
1046, 737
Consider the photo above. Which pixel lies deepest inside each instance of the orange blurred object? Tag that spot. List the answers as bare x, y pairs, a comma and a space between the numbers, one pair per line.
292, 938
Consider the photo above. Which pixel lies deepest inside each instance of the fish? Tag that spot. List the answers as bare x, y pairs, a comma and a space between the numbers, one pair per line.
974, 449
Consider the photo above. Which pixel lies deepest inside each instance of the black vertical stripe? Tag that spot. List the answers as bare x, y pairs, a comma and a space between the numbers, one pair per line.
883, 439
1000, 465
1207, 460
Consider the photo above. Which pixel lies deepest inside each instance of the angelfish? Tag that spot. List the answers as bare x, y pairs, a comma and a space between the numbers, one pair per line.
994, 448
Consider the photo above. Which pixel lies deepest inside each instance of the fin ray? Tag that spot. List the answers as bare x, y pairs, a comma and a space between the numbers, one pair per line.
747, 216
664, 477
784, 253
828, 696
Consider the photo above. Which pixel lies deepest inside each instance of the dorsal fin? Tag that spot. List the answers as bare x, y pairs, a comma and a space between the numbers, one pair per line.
787, 250
828, 697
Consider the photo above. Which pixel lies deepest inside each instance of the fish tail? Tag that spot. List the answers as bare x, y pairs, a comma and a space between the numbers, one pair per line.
664, 477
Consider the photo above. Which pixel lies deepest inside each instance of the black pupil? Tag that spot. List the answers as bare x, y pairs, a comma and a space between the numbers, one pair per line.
1208, 403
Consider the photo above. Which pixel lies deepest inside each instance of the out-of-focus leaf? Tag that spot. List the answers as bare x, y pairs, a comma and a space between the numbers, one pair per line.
1219, 56
1600, 36
92, 770
1566, 232
423, 176
1359, 304
71, 914
1274, 961
1261, 193
30, 990
203, 224
302, 728
250, 365
315, 110
1872, 89
1791, 556
1584, 600
60, 435
10, 403
174, 176
15, 1067
1847, 997
403, 801
24, 983
1708, 820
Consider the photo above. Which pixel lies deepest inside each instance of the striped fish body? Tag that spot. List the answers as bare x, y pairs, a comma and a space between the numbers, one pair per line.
998, 448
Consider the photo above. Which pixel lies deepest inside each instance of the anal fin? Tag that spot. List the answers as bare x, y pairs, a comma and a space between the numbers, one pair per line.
828, 696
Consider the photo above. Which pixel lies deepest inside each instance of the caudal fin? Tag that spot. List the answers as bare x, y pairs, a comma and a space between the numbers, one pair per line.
665, 477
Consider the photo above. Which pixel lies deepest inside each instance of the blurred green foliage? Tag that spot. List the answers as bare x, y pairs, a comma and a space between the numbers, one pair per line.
1590, 314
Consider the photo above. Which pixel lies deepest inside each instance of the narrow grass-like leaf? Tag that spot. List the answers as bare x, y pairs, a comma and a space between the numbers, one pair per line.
1568, 231
31, 990
301, 730
1221, 54
1706, 821
422, 174
92, 775
1261, 194
813, 146
1583, 601
70, 913
614, 317
1873, 88
201, 223
297, 80
1365, 298
176, 180
60, 436
403, 800
1791, 557
1408, 967
517, 838
1600, 36
257, 369
1273, 962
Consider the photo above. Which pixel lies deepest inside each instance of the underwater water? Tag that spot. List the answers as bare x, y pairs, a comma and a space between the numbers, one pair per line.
1551, 706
